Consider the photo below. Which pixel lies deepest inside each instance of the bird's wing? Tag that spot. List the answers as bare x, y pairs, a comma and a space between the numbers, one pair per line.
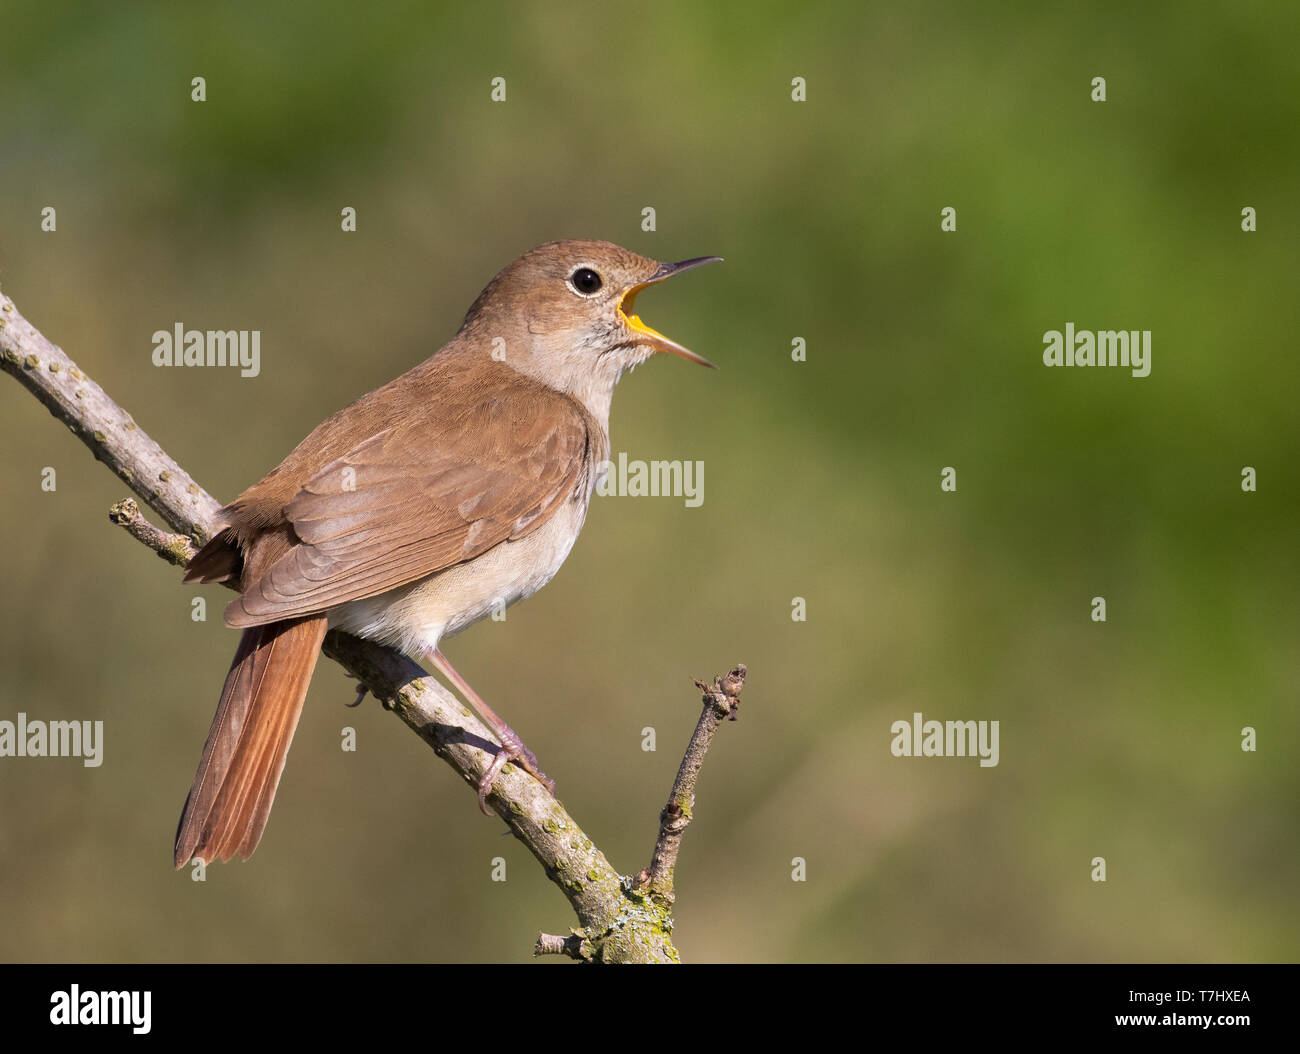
422, 496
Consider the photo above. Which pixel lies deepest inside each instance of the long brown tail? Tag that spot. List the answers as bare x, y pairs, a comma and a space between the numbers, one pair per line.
261, 701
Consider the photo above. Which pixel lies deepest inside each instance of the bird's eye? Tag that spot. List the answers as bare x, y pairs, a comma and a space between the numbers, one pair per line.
585, 281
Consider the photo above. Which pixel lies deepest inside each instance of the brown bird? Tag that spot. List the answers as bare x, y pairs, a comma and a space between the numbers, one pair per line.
457, 488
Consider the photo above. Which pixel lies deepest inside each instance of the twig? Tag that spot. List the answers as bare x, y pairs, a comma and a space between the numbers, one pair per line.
575, 946
618, 921
721, 701
177, 549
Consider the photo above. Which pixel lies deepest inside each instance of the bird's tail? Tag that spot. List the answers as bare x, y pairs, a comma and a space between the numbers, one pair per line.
261, 701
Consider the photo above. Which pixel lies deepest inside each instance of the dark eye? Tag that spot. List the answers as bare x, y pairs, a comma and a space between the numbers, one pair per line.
585, 281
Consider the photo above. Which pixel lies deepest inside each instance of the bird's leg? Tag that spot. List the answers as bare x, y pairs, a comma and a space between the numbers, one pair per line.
512, 747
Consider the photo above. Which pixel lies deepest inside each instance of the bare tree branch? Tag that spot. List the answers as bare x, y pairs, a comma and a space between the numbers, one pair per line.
721, 701
112, 436
618, 920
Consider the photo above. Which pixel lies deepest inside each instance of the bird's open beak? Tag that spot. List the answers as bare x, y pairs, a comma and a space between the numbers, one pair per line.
652, 336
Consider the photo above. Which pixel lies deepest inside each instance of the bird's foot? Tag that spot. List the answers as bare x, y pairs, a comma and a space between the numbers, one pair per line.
512, 749
362, 689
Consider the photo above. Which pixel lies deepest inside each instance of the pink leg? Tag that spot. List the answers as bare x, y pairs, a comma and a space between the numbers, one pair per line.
512, 747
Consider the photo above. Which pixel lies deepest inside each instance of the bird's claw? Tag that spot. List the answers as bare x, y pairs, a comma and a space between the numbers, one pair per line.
512, 749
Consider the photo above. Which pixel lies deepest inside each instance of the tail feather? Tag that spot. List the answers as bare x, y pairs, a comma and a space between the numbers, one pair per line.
243, 758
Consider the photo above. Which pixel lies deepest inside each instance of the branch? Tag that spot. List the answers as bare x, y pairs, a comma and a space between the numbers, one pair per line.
575, 946
619, 922
108, 430
721, 701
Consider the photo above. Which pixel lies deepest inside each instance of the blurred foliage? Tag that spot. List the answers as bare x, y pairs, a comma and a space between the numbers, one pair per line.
1118, 740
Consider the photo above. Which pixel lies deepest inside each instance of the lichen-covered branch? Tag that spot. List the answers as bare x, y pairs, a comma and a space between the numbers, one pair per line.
721, 701
618, 921
566, 854
575, 946
176, 549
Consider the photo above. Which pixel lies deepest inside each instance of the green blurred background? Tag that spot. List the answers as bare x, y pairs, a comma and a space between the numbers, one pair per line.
1119, 740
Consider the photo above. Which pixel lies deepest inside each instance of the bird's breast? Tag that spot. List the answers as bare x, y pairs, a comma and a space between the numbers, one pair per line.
415, 617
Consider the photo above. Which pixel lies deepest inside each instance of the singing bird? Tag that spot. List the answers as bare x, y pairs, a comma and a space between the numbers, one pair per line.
417, 510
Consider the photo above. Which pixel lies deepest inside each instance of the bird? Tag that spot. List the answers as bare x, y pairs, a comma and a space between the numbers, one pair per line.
456, 489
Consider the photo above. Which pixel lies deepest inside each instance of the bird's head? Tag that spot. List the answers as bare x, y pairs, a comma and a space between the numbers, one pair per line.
564, 314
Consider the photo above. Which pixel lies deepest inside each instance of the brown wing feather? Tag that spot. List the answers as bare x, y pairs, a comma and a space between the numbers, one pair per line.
421, 496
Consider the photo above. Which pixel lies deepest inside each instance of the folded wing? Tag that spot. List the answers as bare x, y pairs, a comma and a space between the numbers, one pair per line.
421, 496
